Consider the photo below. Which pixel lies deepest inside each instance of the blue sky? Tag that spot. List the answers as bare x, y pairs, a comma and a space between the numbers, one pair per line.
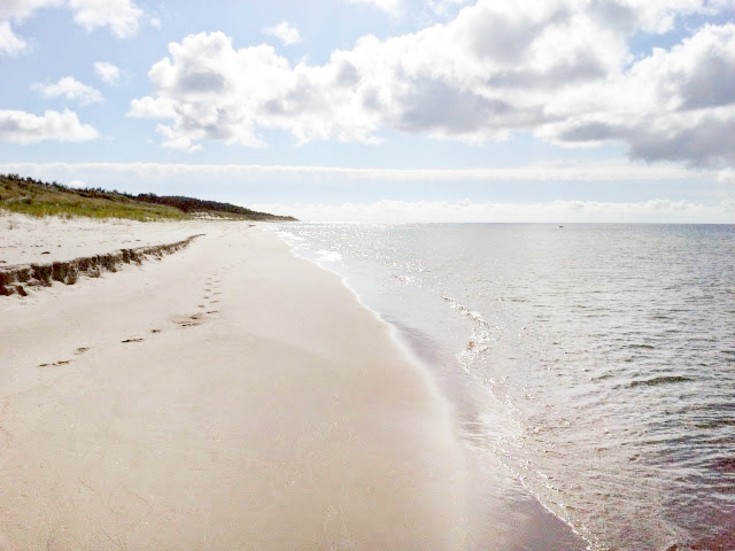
388, 110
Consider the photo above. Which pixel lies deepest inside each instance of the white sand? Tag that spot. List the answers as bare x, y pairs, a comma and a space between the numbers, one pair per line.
262, 408
27, 240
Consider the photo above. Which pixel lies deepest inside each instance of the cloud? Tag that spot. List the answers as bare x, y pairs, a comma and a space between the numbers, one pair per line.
213, 92
561, 69
660, 16
245, 173
672, 105
122, 17
107, 72
445, 7
26, 128
285, 32
388, 6
727, 175
70, 89
392, 211
10, 43
21, 9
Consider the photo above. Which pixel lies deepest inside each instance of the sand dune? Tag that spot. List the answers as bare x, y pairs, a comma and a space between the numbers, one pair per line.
230, 396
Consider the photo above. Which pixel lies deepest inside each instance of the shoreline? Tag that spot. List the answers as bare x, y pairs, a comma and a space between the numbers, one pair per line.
231, 395
506, 515
380, 459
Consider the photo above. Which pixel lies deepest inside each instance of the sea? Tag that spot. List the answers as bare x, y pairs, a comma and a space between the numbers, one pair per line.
591, 366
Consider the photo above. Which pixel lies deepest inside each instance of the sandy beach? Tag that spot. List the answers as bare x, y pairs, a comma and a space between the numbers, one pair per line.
228, 396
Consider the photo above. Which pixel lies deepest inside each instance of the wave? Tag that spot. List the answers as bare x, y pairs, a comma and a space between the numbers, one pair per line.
665, 380
481, 339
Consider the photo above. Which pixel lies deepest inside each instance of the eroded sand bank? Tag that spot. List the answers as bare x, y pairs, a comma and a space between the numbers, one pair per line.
230, 396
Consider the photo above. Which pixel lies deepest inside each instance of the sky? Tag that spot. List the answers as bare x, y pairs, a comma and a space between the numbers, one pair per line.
381, 110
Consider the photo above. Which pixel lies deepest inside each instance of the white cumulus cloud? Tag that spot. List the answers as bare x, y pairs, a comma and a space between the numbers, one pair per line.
70, 89
107, 72
26, 128
561, 69
672, 105
17, 10
285, 32
211, 91
121, 16
10, 43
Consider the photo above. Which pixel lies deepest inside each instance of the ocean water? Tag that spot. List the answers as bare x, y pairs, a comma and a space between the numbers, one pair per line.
594, 365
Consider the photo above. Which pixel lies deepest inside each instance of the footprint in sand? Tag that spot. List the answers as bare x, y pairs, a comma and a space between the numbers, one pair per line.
55, 364
189, 321
81, 350
137, 339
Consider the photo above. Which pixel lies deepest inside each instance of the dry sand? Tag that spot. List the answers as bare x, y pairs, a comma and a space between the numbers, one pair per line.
27, 240
230, 396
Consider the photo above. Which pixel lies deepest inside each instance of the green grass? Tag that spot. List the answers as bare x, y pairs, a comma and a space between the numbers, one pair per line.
28, 196
33, 198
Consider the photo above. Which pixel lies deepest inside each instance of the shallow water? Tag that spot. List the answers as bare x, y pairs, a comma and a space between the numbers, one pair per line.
595, 363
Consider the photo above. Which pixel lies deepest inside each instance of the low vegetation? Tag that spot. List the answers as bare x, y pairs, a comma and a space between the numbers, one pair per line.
35, 198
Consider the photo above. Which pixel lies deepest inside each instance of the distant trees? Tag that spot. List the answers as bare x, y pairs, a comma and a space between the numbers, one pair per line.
192, 205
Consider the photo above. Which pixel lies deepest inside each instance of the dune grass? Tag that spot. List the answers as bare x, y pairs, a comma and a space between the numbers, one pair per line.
29, 196
33, 198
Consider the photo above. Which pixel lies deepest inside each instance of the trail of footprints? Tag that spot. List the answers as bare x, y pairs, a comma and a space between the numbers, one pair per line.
206, 310
209, 300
